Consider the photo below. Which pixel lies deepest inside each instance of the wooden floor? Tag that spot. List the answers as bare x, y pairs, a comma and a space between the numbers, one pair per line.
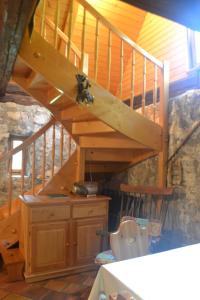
76, 287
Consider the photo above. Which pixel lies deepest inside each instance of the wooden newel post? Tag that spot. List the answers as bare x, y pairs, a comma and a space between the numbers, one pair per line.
163, 120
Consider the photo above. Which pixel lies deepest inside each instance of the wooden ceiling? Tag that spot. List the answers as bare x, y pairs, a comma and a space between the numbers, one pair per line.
182, 11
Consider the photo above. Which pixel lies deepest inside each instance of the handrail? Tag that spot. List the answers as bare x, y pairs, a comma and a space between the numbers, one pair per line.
63, 36
28, 141
35, 169
122, 36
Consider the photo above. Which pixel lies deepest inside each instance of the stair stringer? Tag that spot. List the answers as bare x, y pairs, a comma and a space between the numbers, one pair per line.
43, 58
9, 228
63, 180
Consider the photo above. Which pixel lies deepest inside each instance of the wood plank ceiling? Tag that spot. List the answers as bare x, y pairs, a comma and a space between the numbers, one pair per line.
181, 11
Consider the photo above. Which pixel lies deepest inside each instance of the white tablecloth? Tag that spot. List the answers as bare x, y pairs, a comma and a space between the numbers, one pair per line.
170, 275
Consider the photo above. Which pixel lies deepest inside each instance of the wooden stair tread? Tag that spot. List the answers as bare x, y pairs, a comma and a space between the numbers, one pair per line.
14, 262
11, 256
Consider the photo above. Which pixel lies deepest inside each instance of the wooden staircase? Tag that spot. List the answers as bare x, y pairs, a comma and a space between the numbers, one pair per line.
109, 134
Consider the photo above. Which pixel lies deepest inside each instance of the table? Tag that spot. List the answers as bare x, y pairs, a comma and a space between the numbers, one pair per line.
170, 275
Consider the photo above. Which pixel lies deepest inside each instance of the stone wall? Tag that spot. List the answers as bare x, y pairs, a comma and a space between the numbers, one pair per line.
16, 119
183, 170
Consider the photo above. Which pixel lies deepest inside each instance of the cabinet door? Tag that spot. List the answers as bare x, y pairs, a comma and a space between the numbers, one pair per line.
86, 241
49, 247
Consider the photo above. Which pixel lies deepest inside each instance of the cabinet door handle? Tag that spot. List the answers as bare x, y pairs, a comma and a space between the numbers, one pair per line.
67, 244
75, 244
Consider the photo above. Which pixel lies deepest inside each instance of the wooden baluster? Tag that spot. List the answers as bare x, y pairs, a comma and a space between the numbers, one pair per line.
69, 146
83, 40
109, 57
132, 80
144, 87
57, 17
61, 145
42, 28
53, 151
70, 28
44, 160
33, 168
10, 186
155, 93
66, 50
121, 67
75, 59
96, 50
23, 171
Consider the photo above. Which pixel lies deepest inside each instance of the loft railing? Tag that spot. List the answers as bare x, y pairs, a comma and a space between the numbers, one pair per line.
47, 163
128, 71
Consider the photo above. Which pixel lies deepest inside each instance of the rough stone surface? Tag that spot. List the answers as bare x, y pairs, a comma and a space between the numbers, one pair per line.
183, 170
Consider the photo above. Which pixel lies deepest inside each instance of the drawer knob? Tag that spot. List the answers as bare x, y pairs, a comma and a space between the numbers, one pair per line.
52, 215
67, 244
90, 211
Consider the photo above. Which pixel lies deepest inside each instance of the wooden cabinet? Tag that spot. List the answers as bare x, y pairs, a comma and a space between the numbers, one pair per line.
50, 246
87, 243
59, 236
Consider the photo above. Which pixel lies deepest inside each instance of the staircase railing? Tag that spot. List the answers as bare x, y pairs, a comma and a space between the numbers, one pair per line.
114, 61
47, 24
42, 163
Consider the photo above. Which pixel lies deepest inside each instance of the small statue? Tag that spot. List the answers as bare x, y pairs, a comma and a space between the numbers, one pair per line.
83, 95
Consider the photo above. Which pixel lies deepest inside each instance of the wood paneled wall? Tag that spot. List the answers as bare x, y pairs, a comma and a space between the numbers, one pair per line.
165, 40
126, 18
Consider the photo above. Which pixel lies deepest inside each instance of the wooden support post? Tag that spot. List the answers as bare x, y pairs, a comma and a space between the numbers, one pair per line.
80, 174
162, 158
33, 168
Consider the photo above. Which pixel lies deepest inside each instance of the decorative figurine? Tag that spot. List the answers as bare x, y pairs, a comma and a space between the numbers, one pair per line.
84, 95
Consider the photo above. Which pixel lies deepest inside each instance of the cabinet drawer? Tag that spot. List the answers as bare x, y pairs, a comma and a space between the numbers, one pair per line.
82, 211
50, 213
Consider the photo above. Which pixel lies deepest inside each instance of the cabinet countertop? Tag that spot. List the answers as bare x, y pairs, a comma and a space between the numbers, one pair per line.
31, 200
